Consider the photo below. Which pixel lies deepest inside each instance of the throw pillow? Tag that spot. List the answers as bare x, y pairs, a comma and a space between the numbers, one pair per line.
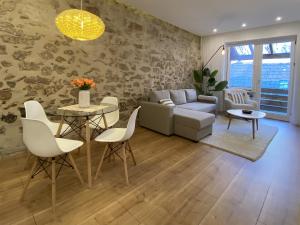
237, 98
178, 97
167, 102
191, 95
155, 96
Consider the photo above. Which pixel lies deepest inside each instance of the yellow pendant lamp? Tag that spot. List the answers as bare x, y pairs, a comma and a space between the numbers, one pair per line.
80, 24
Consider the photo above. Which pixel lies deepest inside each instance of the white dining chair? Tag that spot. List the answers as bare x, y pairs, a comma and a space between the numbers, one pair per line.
111, 118
34, 110
48, 150
117, 139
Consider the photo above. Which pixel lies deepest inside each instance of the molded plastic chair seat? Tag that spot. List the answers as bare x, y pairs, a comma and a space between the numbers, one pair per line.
121, 136
54, 127
67, 145
112, 135
34, 110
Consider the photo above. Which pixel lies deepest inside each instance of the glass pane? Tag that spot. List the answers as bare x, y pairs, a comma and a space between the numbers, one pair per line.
275, 79
267, 49
241, 66
243, 50
279, 48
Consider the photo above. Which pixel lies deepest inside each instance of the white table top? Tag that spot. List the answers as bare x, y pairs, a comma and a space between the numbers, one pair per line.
75, 110
253, 115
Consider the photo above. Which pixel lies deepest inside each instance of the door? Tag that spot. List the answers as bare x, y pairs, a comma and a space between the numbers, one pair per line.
265, 69
276, 79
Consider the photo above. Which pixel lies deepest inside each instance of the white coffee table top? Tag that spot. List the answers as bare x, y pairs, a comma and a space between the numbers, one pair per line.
253, 115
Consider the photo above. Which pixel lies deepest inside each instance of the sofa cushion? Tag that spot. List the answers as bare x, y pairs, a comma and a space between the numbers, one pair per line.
178, 96
193, 119
191, 95
198, 106
156, 96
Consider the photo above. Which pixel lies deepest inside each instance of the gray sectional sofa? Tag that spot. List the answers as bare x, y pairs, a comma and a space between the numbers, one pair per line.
191, 117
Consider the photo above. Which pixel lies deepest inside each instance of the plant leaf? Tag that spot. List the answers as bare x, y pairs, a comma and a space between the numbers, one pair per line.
206, 72
221, 85
214, 73
198, 89
211, 81
198, 76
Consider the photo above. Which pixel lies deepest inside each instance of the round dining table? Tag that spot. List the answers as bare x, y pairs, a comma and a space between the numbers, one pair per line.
79, 119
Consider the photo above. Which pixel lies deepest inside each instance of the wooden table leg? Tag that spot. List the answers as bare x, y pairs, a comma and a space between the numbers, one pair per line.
60, 127
229, 122
253, 128
257, 124
88, 152
105, 122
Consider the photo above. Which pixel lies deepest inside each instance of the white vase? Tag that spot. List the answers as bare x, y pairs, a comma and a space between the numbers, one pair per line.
84, 99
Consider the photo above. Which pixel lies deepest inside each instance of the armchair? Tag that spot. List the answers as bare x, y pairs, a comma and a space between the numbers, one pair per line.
238, 99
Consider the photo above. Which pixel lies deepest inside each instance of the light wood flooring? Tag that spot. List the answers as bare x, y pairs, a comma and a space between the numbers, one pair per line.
175, 182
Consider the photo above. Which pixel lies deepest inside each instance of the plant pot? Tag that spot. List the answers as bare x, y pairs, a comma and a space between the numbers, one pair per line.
84, 99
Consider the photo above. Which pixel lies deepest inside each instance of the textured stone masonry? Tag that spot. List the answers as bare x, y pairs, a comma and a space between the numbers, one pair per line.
137, 53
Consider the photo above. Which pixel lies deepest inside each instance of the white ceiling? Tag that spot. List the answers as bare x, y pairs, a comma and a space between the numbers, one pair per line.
202, 16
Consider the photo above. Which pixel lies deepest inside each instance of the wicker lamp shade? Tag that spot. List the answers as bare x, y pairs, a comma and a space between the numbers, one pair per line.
80, 25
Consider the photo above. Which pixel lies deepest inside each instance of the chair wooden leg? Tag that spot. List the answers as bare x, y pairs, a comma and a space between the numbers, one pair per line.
27, 160
75, 167
29, 179
131, 153
53, 174
101, 161
125, 162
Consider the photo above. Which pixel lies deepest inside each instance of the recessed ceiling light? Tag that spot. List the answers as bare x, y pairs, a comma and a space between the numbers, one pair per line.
244, 25
215, 30
278, 18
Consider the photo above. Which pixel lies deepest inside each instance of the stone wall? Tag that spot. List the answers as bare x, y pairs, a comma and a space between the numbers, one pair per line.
136, 54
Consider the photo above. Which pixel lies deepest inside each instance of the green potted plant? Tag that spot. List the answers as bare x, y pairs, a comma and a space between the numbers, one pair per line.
206, 83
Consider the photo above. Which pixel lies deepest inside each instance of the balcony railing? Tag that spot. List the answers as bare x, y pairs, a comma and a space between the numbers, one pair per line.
274, 100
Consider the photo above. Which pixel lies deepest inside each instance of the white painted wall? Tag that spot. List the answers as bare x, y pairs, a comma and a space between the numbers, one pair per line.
211, 43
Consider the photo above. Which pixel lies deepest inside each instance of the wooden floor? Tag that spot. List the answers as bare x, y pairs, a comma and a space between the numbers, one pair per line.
175, 182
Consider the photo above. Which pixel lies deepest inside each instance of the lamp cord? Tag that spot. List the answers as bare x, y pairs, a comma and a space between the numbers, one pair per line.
81, 23
222, 46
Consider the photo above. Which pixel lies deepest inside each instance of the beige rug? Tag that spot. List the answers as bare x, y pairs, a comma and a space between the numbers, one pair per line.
238, 139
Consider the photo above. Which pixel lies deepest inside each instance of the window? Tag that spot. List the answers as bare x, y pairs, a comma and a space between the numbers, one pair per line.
241, 66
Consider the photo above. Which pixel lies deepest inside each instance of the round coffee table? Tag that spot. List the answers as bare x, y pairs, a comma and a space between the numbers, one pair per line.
254, 117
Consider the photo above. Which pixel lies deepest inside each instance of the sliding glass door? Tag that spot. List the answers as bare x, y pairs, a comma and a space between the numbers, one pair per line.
265, 69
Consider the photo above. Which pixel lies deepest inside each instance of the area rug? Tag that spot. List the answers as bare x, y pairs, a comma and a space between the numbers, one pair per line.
238, 139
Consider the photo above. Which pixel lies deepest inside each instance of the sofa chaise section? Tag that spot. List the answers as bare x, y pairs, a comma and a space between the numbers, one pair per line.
193, 125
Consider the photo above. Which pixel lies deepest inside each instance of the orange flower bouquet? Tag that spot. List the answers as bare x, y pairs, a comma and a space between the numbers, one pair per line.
84, 83
84, 86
